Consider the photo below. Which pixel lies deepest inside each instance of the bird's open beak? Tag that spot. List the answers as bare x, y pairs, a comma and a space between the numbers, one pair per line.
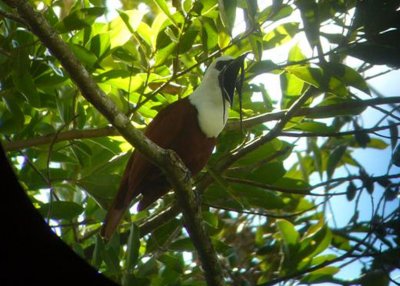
234, 74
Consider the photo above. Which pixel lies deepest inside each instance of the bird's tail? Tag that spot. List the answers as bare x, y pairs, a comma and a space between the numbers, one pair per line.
122, 200
114, 214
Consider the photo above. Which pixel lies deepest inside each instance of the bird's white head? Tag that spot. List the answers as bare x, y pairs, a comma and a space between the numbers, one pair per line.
214, 96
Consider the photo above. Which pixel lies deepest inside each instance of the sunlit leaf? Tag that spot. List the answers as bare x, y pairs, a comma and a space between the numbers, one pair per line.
164, 7
320, 275
289, 235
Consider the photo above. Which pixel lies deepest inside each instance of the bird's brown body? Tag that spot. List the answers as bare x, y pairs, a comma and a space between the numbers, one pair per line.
176, 127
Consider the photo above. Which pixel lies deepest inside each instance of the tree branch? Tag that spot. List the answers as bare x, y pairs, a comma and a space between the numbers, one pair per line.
314, 112
166, 160
318, 111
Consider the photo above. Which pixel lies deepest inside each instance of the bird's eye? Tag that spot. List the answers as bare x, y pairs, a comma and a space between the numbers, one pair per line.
221, 64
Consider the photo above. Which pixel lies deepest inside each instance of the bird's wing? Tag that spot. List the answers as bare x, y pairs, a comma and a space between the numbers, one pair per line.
162, 131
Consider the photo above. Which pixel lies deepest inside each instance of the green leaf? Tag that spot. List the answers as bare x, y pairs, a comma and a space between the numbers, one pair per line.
347, 75
79, 19
292, 87
334, 159
173, 262
187, 40
132, 251
314, 126
100, 186
268, 173
289, 235
396, 156
100, 45
362, 138
394, 133
273, 14
13, 119
184, 244
209, 35
260, 67
280, 35
87, 57
316, 151
162, 235
110, 255
317, 239
61, 210
296, 54
162, 4
261, 153
256, 197
163, 54
307, 74
22, 78
309, 10
99, 247
257, 47
334, 100
321, 275
227, 13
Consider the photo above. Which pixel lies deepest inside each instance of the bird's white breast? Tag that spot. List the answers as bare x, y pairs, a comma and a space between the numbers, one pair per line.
207, 99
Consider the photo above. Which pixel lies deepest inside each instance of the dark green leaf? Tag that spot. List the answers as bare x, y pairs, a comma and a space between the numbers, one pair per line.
14, 117
110, 255
173, 262
256, 197
227, 13
23, 79
309, 15
396, 156
261, 153
209, 34
260, 67
391, 193
162, 235
351, 191
132, 251
100, 45
187, 41
394, 134
98, 251
61, 210
362, 138
184, 244
80, 19
334, 159
368, 183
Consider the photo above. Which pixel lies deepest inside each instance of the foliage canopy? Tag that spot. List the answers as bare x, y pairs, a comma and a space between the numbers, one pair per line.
268, 190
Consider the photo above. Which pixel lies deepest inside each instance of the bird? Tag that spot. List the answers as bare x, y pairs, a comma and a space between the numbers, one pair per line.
190, 127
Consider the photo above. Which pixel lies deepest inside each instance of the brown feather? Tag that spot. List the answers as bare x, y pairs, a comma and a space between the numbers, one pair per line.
176, 127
